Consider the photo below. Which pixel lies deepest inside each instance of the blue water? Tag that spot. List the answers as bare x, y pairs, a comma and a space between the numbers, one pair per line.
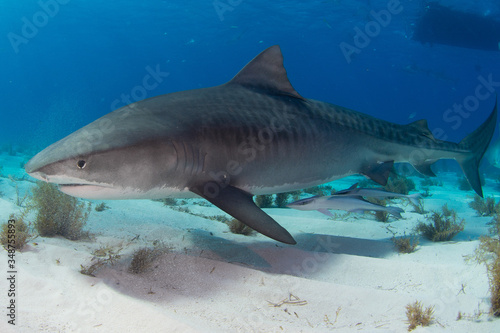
82, 56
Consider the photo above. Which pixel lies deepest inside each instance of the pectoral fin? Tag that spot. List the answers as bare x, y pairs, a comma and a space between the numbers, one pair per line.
240, 205
379, 172
425, 169
326, 212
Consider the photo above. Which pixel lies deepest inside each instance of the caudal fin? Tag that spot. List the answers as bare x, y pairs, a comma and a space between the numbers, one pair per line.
477, 142
395, 211
414, 198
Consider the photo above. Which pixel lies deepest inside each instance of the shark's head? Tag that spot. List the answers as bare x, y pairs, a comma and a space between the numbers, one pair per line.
118, 156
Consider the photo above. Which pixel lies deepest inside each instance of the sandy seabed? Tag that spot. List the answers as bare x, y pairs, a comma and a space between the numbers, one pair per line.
343, 275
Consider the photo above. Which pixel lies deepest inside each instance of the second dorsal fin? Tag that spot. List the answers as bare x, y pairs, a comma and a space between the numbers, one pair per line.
422, 127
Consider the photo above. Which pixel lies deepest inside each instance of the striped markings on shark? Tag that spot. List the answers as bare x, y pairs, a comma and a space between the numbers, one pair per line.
171, 146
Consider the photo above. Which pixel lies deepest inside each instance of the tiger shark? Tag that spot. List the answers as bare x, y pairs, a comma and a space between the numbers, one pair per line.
252, 135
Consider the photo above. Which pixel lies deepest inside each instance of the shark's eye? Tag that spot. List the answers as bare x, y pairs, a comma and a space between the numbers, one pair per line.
81, 164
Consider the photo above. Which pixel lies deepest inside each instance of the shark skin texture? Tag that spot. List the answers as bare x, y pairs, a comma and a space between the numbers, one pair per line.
252, 135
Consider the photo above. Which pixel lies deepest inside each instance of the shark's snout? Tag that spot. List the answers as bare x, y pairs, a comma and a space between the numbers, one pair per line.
38, 175
37, 168
32, 169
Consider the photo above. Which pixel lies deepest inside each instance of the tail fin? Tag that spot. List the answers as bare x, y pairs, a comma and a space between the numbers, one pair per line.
395, 211
477, 142
414, 198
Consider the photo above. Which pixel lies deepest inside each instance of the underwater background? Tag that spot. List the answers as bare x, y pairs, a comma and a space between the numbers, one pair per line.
184, 265
64, 63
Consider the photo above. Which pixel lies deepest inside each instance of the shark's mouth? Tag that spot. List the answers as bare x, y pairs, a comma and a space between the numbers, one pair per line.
82, 184
71, 187
80, 188
67, 182
91, 191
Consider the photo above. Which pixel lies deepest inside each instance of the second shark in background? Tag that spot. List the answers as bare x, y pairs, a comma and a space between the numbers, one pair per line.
351, 200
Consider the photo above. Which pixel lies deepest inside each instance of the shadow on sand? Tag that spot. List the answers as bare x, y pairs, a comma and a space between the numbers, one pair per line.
214, 263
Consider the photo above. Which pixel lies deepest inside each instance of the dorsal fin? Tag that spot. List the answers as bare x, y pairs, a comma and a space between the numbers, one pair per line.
423, 127
422, 123
353, 187
266, 72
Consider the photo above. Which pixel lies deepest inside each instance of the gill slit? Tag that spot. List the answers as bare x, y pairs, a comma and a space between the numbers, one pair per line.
176, 155
189, 160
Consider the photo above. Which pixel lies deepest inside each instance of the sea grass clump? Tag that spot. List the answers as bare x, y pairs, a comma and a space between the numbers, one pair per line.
405, 244
428, 181
20, 199
295, 195
169, 201
58, 213
417, 316
218, 218
264, 200
101, 207
419, 208
495, 225
16, 233
282, 199
425, 192
485, 206
447, 211
238, 227
442, 227
399, 184
142, 260
488, 253
380, 215
319, 190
